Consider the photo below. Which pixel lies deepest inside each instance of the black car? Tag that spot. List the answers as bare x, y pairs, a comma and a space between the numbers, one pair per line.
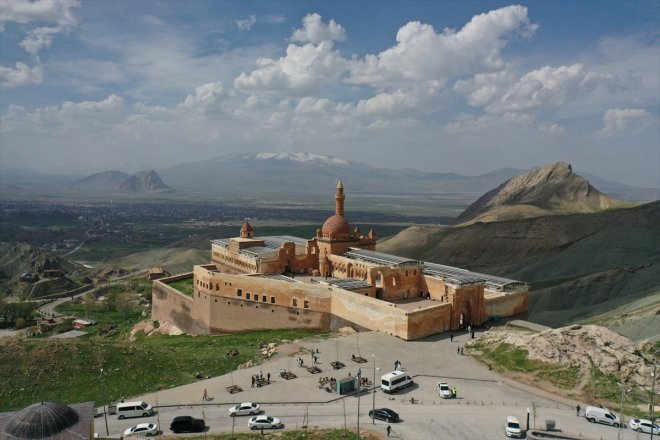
187, 424
385, 414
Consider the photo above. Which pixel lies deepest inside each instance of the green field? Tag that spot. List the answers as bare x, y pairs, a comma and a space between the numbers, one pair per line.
69, 371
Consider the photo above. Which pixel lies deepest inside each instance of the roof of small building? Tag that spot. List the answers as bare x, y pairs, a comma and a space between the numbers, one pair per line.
48, 420
247, 227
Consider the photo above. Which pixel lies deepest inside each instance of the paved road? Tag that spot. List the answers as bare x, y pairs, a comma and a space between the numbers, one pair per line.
484, 398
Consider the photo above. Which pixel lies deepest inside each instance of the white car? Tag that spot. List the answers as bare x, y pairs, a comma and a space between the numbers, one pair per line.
142, 429
244, 409
265, 422
444, 390
644, 425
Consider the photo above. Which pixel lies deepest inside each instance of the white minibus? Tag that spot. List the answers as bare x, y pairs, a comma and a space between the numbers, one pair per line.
134, 409
391, 382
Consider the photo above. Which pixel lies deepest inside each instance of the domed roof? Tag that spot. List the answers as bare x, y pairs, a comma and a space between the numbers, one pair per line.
40, 420
336, 226
247, 227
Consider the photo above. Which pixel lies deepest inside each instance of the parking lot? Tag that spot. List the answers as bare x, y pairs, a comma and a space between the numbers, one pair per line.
483, 401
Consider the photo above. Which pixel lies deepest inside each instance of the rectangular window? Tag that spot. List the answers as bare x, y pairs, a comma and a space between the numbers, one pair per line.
247, 295
272, 300
295, 302
306, 304
264, 299
239, 292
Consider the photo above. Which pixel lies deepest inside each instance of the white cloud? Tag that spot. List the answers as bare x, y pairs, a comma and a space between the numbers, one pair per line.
303, 70
465, 123
552, 129
152, 19
423, 54
59, 12
39, 38
208, 98
22, 75
553, 86
618, 121
246, 23
315, 31
53, 11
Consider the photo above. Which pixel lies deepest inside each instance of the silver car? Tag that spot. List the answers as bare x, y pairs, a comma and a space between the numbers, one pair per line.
265, 422
244, 409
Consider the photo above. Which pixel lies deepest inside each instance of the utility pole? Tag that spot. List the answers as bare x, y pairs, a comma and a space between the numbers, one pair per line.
653, 401
623, 396
105, 406
373, 393
358, 411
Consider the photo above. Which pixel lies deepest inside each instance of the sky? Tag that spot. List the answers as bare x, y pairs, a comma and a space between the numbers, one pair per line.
446, 86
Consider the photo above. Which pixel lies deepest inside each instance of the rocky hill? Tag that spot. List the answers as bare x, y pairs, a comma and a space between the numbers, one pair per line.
550, 189
144, 181
579, 265
117, 181
16, 259
582, 354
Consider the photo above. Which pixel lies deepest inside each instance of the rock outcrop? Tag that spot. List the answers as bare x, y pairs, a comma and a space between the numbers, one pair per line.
551, 189
581, 345
144, 181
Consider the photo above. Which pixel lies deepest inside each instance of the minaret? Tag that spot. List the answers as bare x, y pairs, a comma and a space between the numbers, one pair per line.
339, 199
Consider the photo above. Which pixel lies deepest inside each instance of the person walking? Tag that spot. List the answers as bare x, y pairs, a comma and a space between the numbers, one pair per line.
451, 337
268, 377
206, 395
458, 350
252, 382
389, 430
461, 351
577, 409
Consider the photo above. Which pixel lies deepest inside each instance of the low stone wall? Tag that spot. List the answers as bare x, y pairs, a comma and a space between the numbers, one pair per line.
506, 304
375, 314
168, 304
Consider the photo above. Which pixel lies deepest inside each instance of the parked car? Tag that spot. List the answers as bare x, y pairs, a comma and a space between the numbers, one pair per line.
444, 390
385, 414
512, 427
644, 425
244, 409
146, 429
187, 424
265, 422
601, 415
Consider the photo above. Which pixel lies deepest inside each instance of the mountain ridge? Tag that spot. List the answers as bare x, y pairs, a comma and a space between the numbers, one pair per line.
550, 189
141, 181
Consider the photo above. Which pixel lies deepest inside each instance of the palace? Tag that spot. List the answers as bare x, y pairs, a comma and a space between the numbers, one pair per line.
333, 280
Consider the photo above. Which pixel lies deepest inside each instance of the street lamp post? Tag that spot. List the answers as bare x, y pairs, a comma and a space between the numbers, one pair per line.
373, 393
358, 411
653, 401
105, 406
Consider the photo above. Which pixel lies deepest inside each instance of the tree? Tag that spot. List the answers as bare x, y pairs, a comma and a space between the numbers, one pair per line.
89, 301
124, 304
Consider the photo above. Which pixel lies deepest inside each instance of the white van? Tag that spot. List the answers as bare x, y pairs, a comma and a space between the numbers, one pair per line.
601, 415
512, 427
391, 382
134, 409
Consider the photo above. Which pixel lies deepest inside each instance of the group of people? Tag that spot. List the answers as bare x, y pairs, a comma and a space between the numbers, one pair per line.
282, 373
301, 362
397, 365
258, 379
324, 380
459, 350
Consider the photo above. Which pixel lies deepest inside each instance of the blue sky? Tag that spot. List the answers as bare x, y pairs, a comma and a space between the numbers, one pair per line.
462, 86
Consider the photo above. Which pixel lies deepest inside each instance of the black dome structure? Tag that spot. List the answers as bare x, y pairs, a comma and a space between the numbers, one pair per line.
41, 420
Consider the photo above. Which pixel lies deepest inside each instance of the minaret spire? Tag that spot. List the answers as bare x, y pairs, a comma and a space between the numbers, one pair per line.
339, 199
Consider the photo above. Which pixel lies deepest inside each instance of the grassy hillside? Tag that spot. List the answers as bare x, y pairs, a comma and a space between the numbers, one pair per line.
579, 265
70, 370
